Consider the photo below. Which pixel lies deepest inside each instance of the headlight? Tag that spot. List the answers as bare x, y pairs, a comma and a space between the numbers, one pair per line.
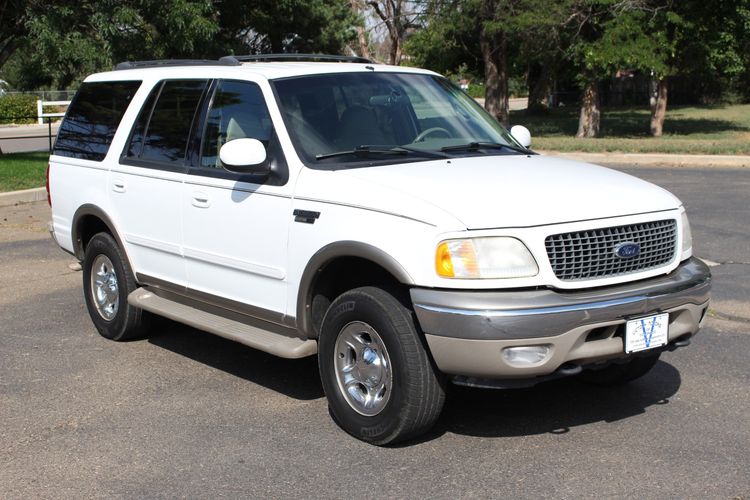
484, 258
687, 237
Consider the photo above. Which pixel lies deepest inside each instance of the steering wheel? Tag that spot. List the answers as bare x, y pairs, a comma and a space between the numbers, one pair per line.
423, 135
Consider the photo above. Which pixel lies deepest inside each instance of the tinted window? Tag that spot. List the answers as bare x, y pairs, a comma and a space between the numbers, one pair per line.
238, 110
139, 129
93, 118
168, 130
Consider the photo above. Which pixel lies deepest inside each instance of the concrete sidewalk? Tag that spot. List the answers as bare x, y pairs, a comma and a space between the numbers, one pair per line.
24, 196
655, 159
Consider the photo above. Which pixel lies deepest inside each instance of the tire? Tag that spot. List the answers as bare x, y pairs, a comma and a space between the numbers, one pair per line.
620, 374
107, 282
368, 332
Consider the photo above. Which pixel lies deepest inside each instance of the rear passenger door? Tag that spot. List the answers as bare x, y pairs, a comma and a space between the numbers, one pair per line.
235, 225
146, 186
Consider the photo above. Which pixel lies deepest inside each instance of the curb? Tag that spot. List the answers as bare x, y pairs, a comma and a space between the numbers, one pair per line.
25, 196
656, 160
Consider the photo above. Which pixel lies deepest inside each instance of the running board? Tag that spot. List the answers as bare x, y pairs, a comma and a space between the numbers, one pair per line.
252, 336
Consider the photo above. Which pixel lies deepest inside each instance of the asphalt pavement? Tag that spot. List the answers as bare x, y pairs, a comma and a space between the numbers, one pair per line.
24, 138
187, 414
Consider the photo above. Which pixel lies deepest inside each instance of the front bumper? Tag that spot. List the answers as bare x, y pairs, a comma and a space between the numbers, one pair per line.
468, 331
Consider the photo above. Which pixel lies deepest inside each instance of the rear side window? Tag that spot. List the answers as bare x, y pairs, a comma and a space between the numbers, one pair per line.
92, 119
163, 127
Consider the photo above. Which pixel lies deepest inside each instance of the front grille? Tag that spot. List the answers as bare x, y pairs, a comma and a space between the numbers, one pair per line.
584, 255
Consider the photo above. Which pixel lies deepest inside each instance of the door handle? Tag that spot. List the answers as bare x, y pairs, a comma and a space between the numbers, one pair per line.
118, 186
201, 200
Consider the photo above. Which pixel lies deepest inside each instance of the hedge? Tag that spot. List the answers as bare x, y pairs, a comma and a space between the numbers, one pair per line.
18, 108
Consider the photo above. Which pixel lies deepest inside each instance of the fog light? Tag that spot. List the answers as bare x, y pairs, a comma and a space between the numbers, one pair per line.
526, 355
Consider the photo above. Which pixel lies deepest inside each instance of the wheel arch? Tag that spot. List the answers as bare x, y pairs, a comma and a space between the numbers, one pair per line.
87, 221
371, 261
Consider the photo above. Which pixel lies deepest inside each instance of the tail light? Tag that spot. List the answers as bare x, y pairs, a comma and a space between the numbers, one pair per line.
49, 197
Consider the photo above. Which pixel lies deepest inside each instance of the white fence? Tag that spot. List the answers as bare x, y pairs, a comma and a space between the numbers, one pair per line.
41, 115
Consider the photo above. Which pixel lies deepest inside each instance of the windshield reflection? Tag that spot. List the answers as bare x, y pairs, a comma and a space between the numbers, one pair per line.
336, 114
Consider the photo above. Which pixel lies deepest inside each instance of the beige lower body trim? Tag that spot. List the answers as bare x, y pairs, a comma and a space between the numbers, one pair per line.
484, 359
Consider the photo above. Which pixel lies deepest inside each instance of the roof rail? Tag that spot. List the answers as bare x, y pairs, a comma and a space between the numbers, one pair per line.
175, 62
297, 57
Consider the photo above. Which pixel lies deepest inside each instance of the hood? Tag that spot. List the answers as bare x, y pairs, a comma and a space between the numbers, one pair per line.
512, 191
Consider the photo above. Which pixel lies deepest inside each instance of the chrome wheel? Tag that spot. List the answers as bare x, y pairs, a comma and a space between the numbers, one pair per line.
363, 369
104, 287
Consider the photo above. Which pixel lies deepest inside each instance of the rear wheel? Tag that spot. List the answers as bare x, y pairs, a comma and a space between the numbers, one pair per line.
107, 281
376, 372
619, 374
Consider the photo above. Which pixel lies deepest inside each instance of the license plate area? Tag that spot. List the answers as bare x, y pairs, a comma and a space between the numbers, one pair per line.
645, 333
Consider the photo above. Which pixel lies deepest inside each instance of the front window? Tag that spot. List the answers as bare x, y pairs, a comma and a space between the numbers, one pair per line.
349, 118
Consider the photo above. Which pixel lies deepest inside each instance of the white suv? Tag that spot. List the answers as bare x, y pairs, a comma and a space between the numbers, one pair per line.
373, 215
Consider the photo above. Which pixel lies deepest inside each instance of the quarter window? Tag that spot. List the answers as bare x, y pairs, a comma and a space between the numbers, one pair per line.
92, 119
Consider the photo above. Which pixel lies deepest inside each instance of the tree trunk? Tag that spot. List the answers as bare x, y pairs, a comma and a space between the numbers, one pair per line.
390, 13
277, 43
588, 122
659, 110
7, 48
539, 82
495, 75
358, 8
364, 48
395, 53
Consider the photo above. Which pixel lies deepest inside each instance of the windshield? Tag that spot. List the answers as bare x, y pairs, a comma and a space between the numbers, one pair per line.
346, 118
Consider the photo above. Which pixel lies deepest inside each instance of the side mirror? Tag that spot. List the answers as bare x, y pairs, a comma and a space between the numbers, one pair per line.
244, 156
522, 135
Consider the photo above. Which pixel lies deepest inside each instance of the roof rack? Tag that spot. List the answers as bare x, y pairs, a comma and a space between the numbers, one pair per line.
176, 62
297, 57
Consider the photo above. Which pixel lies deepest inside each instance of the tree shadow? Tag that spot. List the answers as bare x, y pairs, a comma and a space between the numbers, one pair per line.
295, 378
555, 407
621, 123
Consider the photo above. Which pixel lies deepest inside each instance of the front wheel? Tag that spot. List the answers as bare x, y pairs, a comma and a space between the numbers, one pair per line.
376, 372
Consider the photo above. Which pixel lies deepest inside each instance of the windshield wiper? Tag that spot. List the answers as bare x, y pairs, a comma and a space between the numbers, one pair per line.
366, 151
476, 146
422, 152
363, 151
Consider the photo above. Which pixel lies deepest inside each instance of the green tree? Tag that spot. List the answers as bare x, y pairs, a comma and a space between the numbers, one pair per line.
59, 42
503, 33
612, 35
68, 40
286, 25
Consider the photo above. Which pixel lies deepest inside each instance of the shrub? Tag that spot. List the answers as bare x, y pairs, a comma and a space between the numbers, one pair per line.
17, 108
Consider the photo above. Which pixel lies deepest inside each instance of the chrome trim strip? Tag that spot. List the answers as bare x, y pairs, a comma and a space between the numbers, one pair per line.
523, 314
534, 312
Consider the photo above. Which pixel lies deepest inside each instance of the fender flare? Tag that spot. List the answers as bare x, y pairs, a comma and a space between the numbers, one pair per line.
76, 228
327, 254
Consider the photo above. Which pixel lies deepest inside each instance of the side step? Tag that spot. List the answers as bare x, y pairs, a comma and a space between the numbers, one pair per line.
258, 338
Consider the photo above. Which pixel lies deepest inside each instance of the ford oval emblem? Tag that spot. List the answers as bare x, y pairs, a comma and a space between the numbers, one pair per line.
628, 250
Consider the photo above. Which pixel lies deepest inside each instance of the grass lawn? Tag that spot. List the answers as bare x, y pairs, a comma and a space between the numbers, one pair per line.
22, 171
687, 130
